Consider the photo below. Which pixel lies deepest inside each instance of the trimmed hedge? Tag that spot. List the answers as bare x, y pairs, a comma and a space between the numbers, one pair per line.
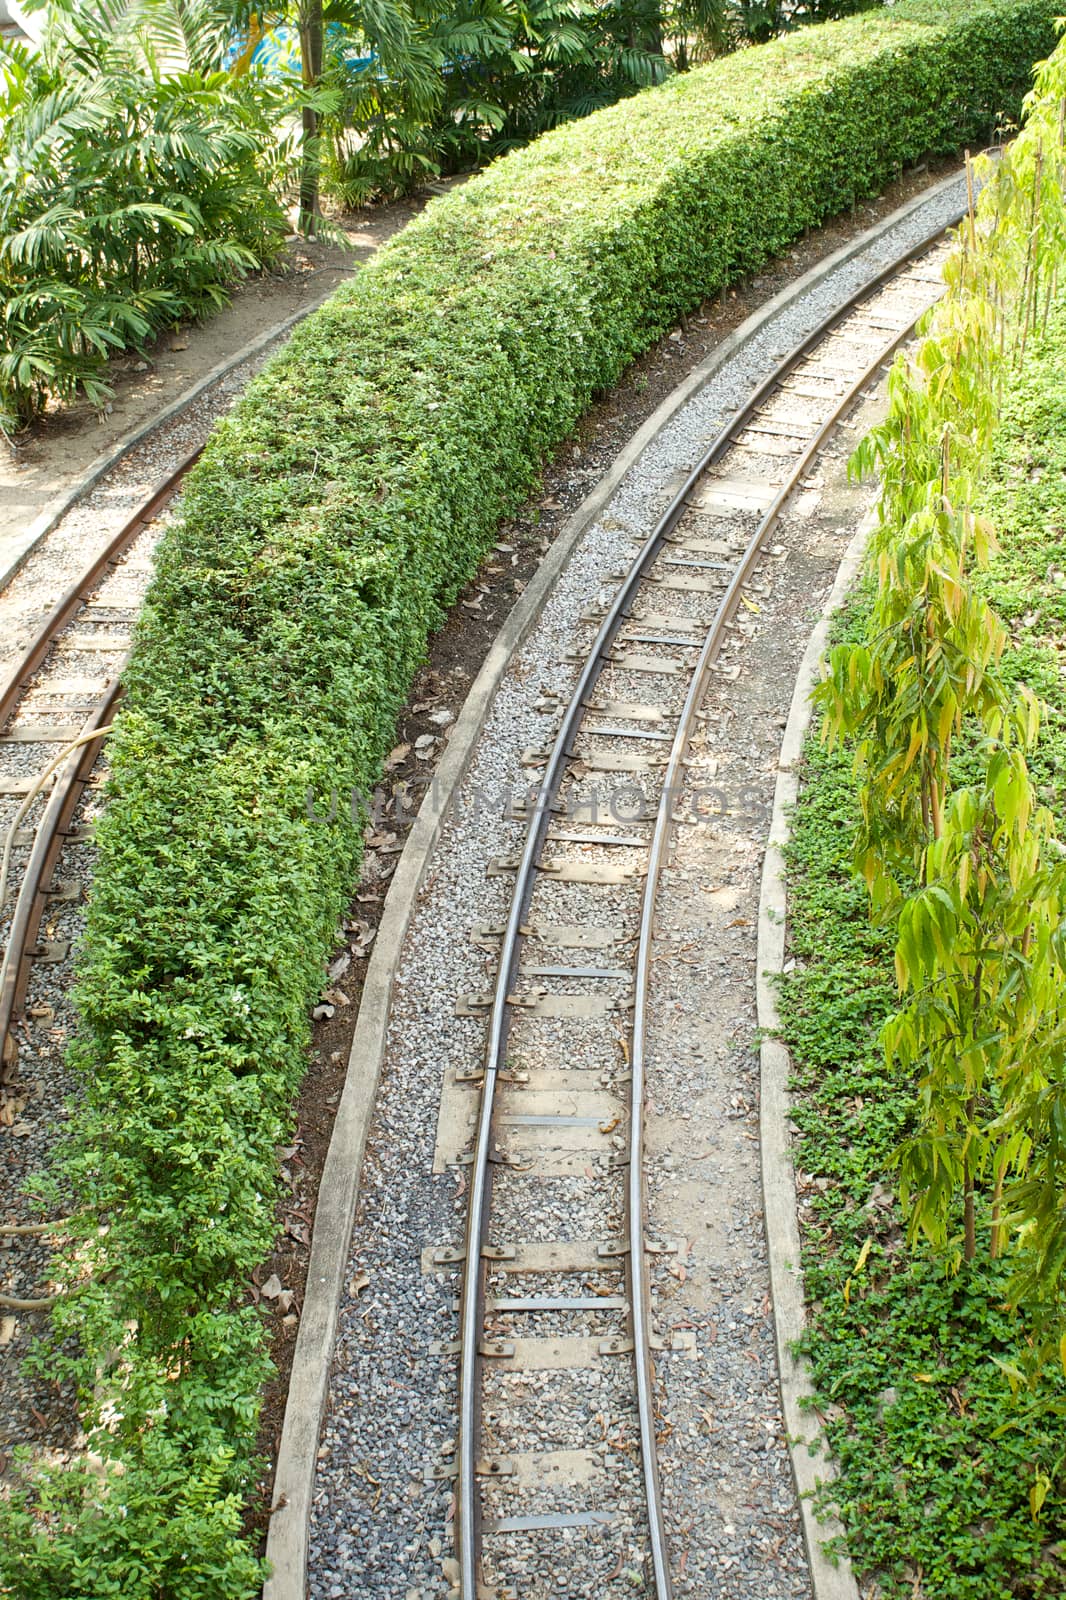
332, 520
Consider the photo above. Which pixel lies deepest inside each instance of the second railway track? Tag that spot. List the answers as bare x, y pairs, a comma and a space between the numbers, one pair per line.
60, 690
558, 1131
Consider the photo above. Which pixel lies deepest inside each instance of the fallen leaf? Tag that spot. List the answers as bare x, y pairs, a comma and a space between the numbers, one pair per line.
357, 1284
339, 966
272, 1288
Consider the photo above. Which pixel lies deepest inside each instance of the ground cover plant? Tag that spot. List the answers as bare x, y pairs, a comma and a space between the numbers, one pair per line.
335, 514
928, 1024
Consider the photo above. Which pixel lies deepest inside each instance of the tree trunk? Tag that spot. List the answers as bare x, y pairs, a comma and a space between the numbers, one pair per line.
311, 58
969, 1219
997, 1215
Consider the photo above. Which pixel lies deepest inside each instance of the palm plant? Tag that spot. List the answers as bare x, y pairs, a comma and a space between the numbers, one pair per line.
135, 185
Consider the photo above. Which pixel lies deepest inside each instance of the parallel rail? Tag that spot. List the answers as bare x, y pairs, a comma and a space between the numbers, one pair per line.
35, 874
636, 585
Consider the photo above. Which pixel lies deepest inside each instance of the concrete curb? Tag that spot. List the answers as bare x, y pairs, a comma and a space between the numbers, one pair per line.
21, 545
829, 1582
339, 1188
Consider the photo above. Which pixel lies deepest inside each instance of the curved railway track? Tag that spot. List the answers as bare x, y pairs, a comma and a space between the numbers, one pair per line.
631, 716
638, 690
46, 707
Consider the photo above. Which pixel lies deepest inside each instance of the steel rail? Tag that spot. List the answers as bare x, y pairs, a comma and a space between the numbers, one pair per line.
641, 1290
67, 789
71, 602
37, 875
467, 1514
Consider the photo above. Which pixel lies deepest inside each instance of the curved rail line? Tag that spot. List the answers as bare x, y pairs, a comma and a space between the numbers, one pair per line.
63, 798
472, 1346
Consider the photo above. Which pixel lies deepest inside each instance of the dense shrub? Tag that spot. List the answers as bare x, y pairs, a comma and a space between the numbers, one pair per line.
333, 517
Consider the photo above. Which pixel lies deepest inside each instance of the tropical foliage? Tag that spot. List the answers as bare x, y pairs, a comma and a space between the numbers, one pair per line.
144, 154
954, 843
334, 515
947, 1478
137, 182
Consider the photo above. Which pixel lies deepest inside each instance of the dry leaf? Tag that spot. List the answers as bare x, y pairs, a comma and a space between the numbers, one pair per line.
339, 966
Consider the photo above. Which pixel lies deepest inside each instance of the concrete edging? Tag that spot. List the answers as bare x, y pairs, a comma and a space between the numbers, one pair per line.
23, 544
829, 1581
293, 1490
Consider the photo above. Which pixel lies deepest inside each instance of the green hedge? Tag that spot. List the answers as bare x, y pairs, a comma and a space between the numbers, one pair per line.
332, 520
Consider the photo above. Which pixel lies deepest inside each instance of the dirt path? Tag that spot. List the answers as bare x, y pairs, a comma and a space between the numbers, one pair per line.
58, 452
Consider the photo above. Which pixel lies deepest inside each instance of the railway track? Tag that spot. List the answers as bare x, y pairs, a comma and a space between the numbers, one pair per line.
555, 1173
628, 722
56, 703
